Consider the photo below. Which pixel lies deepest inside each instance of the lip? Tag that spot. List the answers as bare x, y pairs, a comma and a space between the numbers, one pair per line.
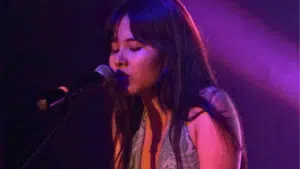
120, 73
122, 78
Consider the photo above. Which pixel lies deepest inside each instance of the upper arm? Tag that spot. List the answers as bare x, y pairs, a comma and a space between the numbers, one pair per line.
214, 144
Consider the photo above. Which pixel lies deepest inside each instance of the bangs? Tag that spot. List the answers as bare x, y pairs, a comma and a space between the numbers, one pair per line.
113, 24
148, 22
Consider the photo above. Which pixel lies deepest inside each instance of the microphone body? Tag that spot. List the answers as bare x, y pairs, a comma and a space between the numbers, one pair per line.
102, 76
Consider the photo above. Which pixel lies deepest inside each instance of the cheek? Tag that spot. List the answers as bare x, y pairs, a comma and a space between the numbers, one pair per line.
149, 71
155, 66
111, 62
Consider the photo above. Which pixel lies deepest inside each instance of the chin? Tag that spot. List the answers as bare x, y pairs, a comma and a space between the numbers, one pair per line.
140, 92
129, 91
132, 92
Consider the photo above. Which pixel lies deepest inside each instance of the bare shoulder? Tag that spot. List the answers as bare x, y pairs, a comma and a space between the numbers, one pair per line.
208, 136
220, 101
223, 107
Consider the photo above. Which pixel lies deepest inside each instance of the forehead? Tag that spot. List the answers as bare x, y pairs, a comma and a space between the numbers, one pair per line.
123, 31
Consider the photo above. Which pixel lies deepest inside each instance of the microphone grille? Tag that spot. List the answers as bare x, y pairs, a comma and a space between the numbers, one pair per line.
105, 71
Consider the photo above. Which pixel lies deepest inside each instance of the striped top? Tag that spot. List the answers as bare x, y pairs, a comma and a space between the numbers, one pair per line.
166, 160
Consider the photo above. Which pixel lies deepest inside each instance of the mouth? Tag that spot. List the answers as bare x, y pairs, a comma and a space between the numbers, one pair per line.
120, 73
122, 78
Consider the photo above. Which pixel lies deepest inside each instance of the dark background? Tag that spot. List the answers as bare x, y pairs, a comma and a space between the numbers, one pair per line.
50, 43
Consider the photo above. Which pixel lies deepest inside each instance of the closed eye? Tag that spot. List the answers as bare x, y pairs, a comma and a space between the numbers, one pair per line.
114, 47
134, 45
131, 44
113, 51
135, 49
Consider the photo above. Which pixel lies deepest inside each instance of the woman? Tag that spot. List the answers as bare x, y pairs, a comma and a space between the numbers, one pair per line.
168, 112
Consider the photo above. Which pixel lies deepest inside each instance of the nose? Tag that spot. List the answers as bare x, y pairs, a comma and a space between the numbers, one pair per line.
120, 60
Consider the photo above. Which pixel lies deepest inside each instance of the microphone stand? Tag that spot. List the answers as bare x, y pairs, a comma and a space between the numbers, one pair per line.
65, 105
62, 95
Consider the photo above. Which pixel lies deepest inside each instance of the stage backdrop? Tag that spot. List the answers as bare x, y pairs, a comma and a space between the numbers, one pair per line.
253, 48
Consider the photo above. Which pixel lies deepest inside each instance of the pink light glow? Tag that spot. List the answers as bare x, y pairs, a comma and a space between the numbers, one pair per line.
245, 45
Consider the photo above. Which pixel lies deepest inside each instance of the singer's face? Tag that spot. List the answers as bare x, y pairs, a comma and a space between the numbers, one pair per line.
140, 63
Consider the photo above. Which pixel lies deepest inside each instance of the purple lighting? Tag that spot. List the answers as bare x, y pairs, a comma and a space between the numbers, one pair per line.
249, 48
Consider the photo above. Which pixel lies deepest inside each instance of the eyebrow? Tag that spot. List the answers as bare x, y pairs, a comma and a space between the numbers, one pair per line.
130, 39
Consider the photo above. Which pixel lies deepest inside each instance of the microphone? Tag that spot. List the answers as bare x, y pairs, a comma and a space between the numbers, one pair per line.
102, 76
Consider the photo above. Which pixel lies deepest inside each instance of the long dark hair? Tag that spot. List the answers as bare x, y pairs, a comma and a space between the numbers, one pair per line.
167, 26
